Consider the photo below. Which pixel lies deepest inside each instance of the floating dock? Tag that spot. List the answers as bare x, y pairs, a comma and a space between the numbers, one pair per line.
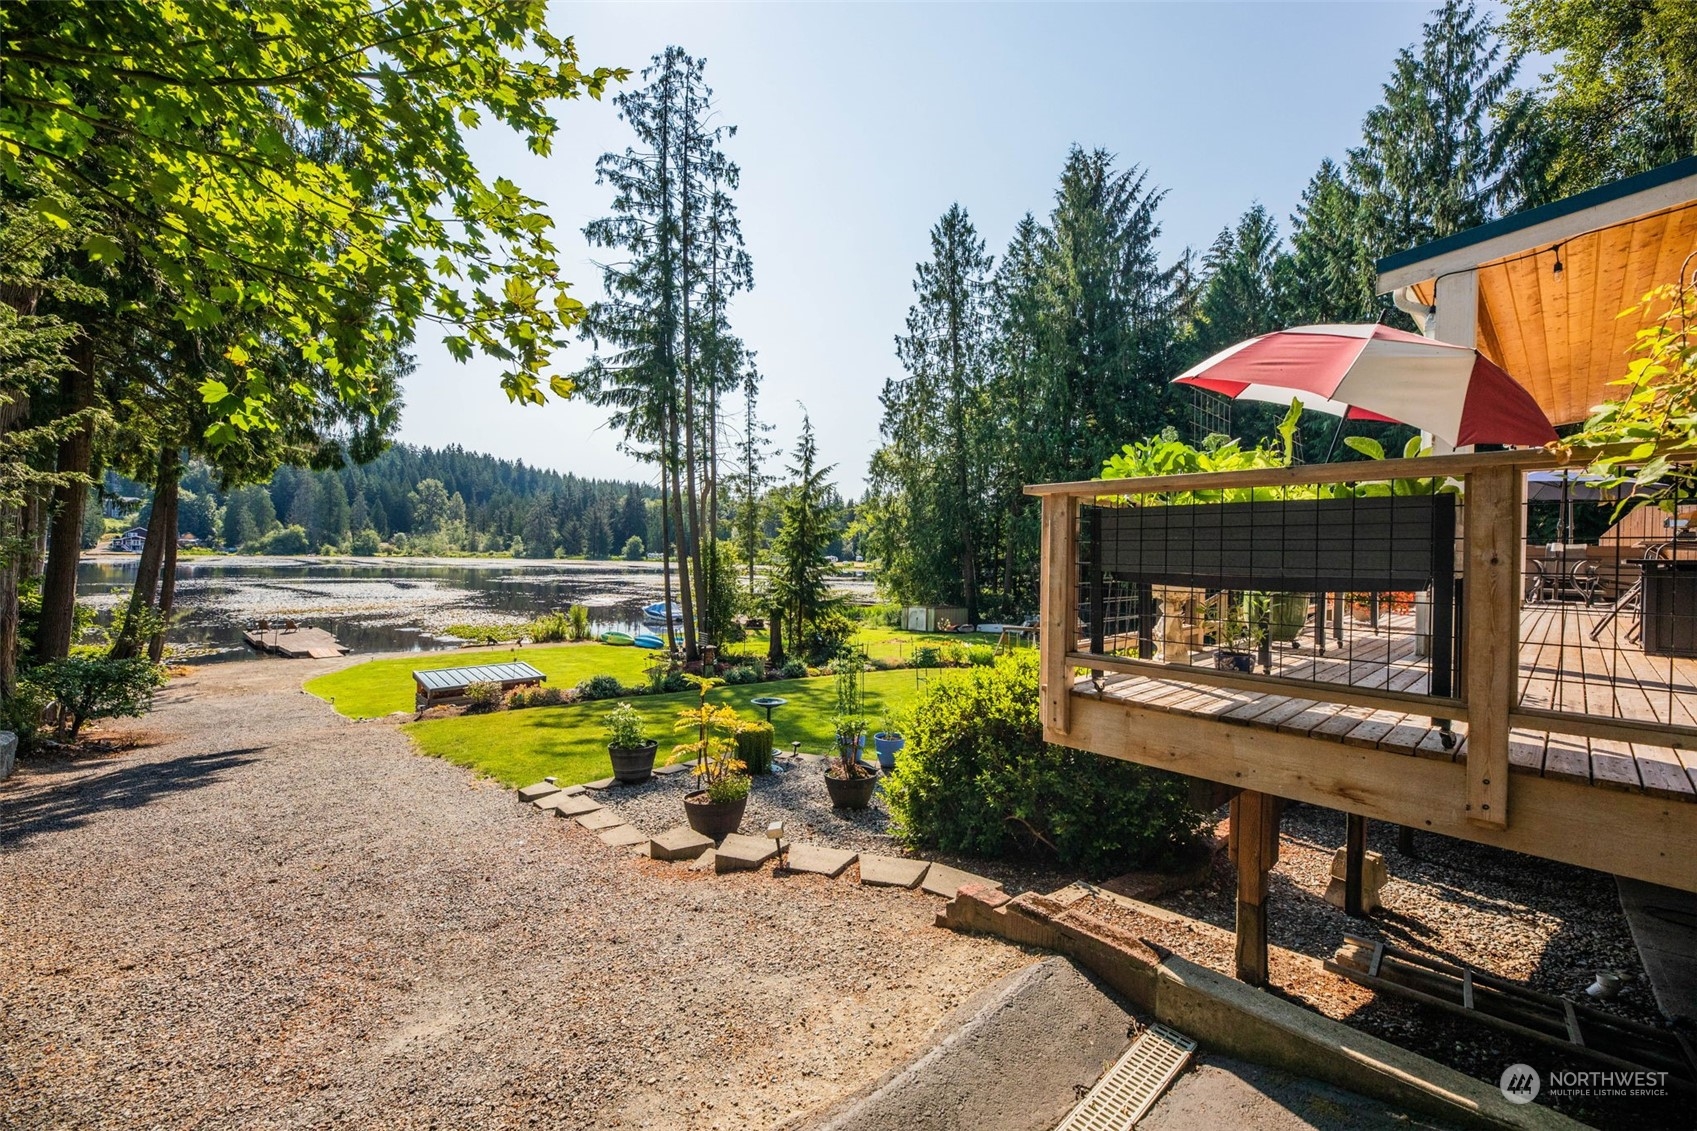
295, 643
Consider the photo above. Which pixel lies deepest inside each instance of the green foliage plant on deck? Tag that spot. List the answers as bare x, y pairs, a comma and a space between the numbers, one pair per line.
977, 778
1656, 411
1166, 454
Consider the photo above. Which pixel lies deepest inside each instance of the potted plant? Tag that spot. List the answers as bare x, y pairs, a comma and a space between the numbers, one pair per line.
628, 745
716, 809
1232, 636
887, 741
848, 780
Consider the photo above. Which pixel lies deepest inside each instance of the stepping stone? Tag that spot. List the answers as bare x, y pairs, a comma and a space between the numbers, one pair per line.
538, 791
816, 858
569, 806
600, 819
889, 872
598, 786
705, 862
945, 881
738, 853
681, 843
573, 791
668, 771
623, 836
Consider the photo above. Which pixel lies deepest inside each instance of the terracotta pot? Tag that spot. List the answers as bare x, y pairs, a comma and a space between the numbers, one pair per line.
633, 764
711, 818
851, 793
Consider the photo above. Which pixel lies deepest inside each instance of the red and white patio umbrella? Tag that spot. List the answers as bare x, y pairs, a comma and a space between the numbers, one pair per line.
1373, 372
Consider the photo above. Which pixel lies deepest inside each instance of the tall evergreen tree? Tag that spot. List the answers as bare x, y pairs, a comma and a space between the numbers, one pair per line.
800, 589
935, 423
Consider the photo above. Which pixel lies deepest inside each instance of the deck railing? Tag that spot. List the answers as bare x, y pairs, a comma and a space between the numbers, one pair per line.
1405, 586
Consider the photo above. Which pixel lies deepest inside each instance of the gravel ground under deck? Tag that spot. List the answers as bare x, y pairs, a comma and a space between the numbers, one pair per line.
266, 915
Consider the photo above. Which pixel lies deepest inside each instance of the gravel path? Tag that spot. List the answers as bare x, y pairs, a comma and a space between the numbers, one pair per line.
268, 916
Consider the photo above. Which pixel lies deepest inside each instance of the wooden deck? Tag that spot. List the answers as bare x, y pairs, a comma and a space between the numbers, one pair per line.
295, 643
1561, 668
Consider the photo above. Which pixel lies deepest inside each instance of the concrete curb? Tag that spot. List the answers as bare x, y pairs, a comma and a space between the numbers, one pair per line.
1230, 1017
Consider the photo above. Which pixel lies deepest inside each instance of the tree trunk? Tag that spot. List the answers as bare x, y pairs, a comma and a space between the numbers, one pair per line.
666, 557
64, 545
128, 643
167, 581
775, 638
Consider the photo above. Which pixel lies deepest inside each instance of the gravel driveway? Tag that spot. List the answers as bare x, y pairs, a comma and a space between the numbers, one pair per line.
269, 916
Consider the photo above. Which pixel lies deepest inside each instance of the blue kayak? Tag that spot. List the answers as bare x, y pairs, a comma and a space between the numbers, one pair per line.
648, 640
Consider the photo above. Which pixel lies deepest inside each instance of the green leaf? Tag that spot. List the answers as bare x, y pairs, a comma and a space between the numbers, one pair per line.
54, 210
101, 249
1366, 445
214, 392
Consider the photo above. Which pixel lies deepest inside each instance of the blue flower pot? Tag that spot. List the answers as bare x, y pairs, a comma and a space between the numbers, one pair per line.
887, 745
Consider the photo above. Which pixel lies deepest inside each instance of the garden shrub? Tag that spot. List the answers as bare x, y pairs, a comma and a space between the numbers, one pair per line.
535, 697
550, 628
793, 669
977, 778
745, 673
95, 687
577, 622
826, 636
927, 656
482, 696
601, 687
980, 655
754, 746
634, 551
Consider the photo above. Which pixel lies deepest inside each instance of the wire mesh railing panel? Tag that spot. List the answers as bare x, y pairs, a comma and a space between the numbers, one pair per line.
1299, 588
1608, 621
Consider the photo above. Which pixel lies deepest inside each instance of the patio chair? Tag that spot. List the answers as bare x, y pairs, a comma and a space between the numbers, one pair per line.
1633, 599
1588, 580
1541, 584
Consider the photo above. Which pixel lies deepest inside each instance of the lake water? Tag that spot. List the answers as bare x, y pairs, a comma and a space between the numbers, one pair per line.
372, 605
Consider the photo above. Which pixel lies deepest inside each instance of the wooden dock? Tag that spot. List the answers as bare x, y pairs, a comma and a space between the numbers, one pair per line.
295, 643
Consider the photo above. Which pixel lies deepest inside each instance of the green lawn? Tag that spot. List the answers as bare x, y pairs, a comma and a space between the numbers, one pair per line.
891, 645
521, 747
381, 687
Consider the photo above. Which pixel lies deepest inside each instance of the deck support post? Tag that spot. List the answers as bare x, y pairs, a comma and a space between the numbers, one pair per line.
1059, 610
1354, 865
1491, 636
1255, 833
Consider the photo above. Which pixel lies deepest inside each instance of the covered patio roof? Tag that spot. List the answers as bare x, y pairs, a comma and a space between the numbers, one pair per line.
1557, 332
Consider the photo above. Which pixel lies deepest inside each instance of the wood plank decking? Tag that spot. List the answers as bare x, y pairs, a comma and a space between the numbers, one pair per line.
1561, 668
295, 643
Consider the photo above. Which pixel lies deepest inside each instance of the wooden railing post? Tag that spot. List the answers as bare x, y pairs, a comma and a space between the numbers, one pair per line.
1491, 648
1059, 609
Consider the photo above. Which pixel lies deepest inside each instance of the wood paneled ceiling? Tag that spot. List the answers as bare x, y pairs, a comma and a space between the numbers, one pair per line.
1561, 334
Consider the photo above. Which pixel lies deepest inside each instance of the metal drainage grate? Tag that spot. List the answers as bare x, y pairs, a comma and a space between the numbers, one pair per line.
1133, 1084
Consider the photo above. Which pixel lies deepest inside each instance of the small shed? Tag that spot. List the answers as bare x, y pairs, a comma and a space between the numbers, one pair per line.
928, 618
448, 685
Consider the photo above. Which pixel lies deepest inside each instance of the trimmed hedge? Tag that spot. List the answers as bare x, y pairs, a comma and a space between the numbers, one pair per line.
977, 778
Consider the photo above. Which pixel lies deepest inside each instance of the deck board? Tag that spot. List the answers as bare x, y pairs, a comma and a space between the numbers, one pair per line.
1561, 669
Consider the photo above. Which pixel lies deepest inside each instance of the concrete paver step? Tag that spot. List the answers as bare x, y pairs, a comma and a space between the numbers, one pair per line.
891, 872
623, 836
818, 859
681, 843
738, 853
943, 880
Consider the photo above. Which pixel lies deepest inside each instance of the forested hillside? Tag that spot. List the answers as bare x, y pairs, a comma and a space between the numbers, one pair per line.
416, 500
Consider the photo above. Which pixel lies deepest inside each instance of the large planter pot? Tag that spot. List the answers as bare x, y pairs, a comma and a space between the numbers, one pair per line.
711, 818
633, 764
887, 743
1228, 660
851, 793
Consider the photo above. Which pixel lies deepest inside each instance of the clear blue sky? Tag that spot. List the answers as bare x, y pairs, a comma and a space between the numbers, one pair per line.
860, 124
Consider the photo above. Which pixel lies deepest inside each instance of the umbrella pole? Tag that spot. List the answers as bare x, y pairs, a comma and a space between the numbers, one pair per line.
1336, 432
